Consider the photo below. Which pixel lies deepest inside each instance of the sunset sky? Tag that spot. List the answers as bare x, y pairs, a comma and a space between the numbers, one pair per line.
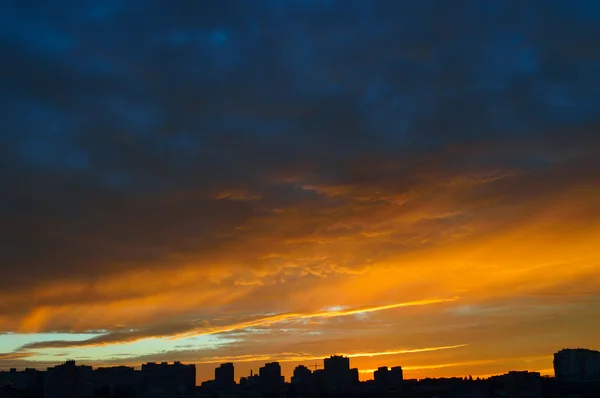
411, 183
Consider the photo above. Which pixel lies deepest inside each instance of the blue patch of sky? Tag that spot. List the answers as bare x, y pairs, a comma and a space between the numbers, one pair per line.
563, 105
253, 26
388, 112
100, 65
32, 33
45, 140
374, 92
104, 9
218, 36
507, 57
10, 342
253, 126
114, 179
213, 37
585, 11
139, 116
180, 37
186, 148
300, 59
139, 348
215, 51
42, 153
183, 142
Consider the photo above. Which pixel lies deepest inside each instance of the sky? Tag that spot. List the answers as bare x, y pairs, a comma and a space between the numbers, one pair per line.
411, 183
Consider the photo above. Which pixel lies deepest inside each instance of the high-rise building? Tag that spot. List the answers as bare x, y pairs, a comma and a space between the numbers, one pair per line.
337, 373
250, 381
69, 381
319, 379
118, 380
396, 374
577, 365
168, 377
302, 376
270, 376
381, 377
30, 380
518, 384
336, 364
224, 375
388, 379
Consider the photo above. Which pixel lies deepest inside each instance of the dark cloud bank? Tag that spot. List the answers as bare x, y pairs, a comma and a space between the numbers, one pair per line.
124, 122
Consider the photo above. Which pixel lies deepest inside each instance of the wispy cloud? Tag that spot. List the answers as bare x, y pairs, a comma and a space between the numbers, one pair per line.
16, 355
404, 351
115, 338
449, 365
293, 317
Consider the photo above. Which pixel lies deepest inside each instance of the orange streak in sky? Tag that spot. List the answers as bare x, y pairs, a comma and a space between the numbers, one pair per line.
285, 317
438, 366
299, 316
407, 351
298, 357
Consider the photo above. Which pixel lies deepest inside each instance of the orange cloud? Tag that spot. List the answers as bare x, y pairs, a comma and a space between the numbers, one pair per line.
456, 237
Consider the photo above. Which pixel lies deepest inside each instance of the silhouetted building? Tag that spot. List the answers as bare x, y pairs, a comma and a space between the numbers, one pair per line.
354, 377
163, 377
302, 376
577, 365
224, 375
337, 373
396, 372
380, 376
270, 376
118, 380
518, 384
319, 379
250, 381
30, 380
388, 379
8, 391
304, 381
69, 381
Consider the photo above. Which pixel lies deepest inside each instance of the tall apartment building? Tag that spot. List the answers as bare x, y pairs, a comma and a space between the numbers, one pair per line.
224, 375
577, 365
69, 381
168, 377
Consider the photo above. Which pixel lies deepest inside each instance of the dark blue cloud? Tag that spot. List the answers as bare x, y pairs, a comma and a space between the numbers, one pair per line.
110, 102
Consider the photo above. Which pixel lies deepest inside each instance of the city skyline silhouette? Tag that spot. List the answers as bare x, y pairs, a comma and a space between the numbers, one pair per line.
577, 373
569, 364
